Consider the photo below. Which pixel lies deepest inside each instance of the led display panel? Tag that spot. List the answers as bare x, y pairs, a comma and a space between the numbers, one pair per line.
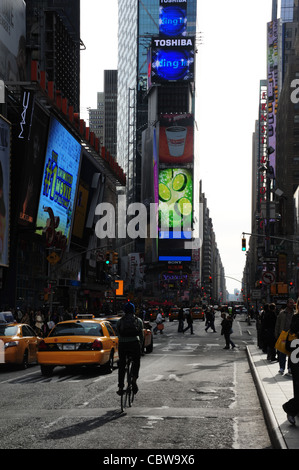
175, 203
172, 59
176, 140
173, 18
60, 176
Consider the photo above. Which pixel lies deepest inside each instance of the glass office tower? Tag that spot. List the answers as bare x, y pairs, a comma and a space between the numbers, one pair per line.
287, 10
138, 22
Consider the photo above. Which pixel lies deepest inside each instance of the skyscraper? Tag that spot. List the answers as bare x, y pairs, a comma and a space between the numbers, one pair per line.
138, 23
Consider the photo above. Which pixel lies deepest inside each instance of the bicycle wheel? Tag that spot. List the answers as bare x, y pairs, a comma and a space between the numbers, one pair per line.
129, 388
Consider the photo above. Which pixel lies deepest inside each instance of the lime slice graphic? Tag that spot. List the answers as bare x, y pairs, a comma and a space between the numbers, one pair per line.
183, 207
164, 192
179, 183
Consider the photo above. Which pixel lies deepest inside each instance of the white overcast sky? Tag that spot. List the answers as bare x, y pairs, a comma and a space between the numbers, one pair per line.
231, 62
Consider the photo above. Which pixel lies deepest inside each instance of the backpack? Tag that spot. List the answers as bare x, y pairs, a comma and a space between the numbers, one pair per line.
128, 325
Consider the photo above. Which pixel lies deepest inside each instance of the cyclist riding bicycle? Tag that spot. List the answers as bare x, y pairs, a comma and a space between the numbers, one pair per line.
130, 333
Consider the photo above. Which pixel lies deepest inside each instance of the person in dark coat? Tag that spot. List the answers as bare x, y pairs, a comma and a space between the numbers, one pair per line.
181, 318
291, 407
226, 330
268, 331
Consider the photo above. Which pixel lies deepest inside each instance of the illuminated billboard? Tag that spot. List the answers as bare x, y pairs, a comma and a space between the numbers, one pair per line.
4, 190
176, 139
59, 177
172, 60
173, 18
272, 65
175, 203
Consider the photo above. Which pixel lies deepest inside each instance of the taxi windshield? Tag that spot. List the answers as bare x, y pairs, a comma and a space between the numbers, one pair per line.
8, 330
77, 329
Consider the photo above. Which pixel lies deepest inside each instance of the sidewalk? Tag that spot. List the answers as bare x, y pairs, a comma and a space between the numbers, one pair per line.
274, 390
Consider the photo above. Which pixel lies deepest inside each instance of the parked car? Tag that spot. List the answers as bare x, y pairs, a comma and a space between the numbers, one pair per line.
79, 342
197, 313
20, 343
7, 317
148, 339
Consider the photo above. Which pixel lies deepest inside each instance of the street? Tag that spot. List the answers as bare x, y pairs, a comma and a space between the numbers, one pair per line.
192, 395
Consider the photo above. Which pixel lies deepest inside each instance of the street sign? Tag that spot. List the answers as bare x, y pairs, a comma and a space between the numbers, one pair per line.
53, 258
268, 277
256, 294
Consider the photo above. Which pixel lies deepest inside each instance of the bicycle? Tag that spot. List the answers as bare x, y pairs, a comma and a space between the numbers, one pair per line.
127, 397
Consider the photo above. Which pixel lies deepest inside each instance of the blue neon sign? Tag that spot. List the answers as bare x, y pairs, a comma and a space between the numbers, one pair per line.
172, 21
172, 60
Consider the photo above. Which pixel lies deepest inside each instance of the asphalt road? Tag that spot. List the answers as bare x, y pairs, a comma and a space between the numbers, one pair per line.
192, 395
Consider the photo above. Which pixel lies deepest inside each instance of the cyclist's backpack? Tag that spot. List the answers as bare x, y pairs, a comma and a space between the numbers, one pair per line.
128, 325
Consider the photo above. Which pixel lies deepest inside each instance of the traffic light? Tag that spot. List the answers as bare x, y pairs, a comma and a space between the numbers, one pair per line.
114, 257
243, 244
107, 258
210, 279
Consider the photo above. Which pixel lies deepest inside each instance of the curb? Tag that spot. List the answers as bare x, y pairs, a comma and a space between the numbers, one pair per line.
275, 434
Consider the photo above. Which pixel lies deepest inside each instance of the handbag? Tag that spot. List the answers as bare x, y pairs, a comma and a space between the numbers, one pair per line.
280, 344
160, 326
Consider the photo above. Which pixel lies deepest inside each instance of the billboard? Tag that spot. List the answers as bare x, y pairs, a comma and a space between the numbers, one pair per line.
4, 190
175, 203
172, 59
272, 66
13, 40
60, 176
176, 140
173, 18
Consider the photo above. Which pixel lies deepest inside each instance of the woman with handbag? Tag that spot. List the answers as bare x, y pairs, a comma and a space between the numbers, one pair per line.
283, 322
291, 407
159, 324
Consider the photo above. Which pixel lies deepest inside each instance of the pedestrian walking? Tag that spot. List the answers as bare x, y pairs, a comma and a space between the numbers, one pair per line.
181, 318
159, 324
283, 323
210, 320
226, 330
291, 407
189, 322
268, 323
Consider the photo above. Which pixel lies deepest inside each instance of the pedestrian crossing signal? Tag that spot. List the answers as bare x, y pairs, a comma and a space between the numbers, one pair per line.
243, 244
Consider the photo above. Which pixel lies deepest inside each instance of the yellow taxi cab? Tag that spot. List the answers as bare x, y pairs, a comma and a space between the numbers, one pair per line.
20, 344
173, 313
197, 313
153, 312
78, 343
148, 340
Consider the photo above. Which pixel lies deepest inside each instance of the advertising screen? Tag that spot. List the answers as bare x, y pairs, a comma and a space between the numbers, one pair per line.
4, 191
173, 18
272, 65
176, 140
175, 203
172, 59
60, 176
